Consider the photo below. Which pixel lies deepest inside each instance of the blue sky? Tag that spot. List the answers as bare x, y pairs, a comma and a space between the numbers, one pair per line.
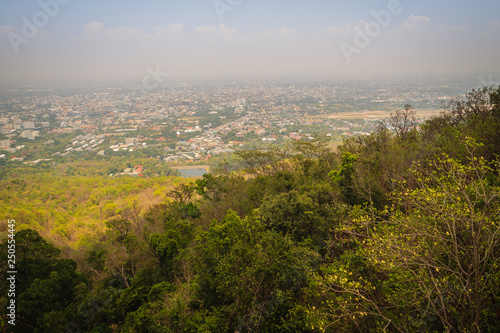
250, 15
308, 34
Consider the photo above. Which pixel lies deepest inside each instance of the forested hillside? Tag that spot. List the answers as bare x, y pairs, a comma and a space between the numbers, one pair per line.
71, 210
398, 231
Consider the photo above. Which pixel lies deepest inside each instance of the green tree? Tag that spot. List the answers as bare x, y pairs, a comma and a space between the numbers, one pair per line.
438, 250
478, 116
255, 274
46, 285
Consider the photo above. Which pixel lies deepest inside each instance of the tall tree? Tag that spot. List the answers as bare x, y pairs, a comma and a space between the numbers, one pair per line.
438, 250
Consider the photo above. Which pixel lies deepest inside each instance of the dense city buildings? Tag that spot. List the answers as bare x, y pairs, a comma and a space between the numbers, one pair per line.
195, 121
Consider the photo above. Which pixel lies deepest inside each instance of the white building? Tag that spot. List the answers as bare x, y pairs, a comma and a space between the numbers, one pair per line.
4, 143
131, 141
31, 135
28, 125
240, 105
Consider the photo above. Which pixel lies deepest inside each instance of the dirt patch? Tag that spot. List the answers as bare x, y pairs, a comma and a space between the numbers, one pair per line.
372, 115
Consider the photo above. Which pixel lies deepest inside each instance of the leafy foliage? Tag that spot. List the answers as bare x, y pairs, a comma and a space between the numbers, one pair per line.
393, 232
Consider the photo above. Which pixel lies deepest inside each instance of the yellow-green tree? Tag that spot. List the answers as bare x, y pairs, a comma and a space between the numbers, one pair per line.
437, 252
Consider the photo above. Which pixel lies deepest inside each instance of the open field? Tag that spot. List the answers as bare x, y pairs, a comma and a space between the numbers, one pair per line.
371, 115
192, 167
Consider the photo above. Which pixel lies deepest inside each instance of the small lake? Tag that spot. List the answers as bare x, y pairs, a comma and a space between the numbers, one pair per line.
192, 172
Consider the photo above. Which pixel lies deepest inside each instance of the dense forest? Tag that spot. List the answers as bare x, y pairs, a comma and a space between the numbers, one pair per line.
72, 210
398, 231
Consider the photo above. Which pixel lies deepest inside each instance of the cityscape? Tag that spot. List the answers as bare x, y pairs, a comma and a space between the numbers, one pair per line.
194, 121
264, 166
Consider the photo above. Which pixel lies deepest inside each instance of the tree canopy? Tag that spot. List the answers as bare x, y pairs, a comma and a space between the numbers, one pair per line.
398, 231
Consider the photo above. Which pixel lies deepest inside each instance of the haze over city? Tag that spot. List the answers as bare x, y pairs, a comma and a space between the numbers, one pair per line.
126, 40
258, 166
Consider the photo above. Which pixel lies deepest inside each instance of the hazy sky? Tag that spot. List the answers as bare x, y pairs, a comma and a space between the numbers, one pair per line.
125, 39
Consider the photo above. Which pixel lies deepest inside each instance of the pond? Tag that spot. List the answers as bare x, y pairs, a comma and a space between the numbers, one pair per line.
192, 172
